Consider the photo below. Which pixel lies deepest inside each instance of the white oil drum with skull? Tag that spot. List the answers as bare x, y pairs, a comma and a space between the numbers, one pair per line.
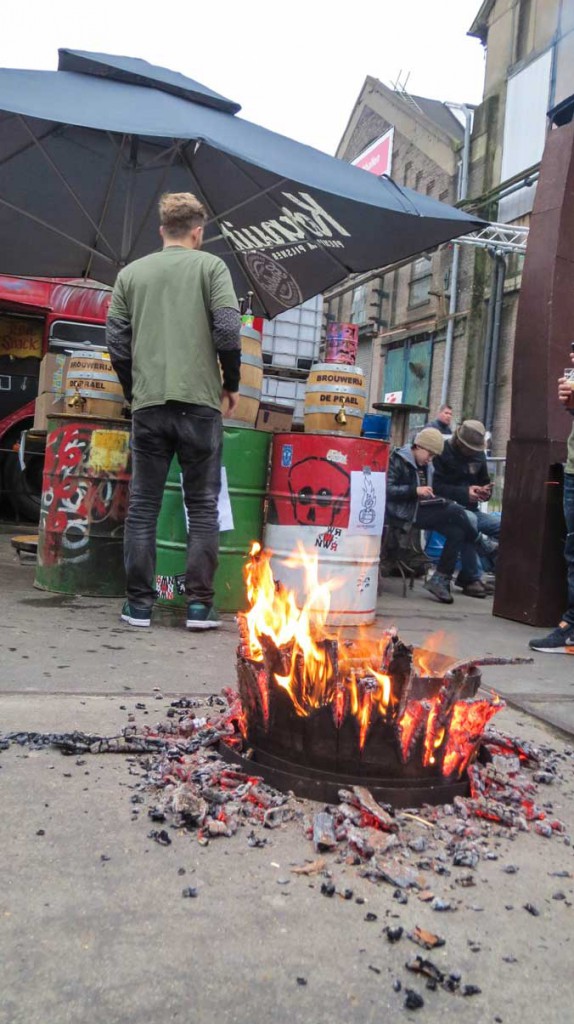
327, 497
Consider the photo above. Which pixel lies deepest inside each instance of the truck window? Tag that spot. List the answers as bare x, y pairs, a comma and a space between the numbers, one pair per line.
67, 336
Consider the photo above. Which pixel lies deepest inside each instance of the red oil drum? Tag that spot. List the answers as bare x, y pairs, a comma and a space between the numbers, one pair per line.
327, 492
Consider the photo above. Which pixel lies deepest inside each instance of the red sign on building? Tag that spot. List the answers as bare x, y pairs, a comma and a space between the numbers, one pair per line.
377, 157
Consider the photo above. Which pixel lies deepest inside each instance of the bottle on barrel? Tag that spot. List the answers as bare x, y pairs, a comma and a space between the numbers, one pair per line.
247, 316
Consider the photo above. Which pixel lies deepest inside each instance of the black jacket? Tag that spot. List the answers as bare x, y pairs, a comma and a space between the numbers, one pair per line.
445, 428
454, 473
402, 483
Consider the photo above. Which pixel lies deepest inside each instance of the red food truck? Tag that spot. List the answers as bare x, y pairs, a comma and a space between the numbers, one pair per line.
37, 316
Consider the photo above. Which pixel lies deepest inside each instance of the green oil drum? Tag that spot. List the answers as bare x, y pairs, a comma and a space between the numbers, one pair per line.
85, 488
245, 459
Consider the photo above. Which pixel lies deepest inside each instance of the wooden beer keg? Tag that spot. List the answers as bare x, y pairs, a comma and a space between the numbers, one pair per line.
335, 400
251, 380
92, 386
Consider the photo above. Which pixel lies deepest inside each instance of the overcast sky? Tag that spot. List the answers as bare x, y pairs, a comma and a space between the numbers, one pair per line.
295, 67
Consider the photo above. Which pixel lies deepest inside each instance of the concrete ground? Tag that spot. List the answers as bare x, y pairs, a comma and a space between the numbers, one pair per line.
94, 927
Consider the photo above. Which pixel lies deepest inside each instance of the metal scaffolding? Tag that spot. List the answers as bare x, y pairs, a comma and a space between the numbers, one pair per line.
503, 238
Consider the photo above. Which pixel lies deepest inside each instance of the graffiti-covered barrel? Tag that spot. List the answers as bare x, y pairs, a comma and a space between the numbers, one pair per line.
327, 493
83, 508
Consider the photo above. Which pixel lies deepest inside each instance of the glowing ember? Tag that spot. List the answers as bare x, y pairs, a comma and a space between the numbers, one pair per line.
370, 700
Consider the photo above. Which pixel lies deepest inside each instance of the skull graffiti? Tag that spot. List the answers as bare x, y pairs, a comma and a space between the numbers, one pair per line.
319, 491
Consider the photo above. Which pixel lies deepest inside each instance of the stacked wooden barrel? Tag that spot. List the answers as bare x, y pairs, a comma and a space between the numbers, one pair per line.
335, 399
251, 380
92, 386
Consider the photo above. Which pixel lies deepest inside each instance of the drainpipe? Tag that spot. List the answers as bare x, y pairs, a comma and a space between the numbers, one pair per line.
462, 194
488, 334
495, 344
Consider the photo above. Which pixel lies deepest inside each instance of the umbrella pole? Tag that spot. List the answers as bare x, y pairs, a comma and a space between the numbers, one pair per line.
128, 224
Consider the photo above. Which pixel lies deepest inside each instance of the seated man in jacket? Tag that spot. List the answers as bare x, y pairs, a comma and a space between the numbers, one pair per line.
411, 499
461, 474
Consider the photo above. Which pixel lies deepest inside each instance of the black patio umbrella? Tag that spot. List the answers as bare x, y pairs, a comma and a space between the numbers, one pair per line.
86, 151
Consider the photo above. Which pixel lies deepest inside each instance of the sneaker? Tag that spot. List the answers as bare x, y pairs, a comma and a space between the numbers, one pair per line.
559, 641
202, 616
136, 616
439, 586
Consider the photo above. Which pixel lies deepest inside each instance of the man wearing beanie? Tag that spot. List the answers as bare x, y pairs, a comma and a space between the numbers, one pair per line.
461, 475
411, 499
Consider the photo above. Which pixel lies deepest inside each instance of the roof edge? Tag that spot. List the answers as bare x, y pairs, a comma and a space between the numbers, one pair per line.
479, 27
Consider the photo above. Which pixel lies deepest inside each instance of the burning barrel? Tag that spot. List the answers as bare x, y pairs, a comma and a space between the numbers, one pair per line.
84, 504
245, 461
327, 493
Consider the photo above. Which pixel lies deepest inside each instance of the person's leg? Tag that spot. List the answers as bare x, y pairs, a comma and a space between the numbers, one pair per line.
561, 639
452, 523
152, 451
199, 444
488, 523
569, 546
456, 526
470, 567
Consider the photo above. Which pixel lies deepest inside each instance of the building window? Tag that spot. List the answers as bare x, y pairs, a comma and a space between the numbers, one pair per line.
444, 196
408, 167
359, 305
523, 44
430, 187
418, 181
421, 280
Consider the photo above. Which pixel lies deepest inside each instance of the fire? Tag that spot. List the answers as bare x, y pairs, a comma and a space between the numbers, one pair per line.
275, 620
293, 651
436, 654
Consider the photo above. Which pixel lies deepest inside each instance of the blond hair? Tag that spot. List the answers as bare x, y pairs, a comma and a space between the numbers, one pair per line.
180, 213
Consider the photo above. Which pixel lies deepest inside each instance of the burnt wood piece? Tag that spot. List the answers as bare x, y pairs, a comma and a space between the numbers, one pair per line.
440, 714
401, 672
324, 837
410, 730
530, 574
366, 801
248, 692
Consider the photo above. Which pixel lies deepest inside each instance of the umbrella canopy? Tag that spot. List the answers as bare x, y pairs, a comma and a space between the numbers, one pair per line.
86, 151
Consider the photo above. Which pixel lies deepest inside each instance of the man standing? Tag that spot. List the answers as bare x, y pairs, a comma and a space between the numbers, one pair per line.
173, 321
461, 474
443, 421
411, 499
561, 639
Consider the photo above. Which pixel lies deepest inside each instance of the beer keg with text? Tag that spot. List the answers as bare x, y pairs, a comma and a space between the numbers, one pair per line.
335, 400
92, 386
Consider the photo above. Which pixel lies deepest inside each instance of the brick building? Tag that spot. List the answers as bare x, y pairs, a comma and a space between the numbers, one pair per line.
403, 314
529, 69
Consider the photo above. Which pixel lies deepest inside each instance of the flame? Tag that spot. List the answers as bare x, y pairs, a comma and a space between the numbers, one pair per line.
319, 668
436, 654
274, 620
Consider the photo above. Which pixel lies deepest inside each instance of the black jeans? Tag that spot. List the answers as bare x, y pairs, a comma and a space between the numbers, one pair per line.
569, 548
195, 434
452, 521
